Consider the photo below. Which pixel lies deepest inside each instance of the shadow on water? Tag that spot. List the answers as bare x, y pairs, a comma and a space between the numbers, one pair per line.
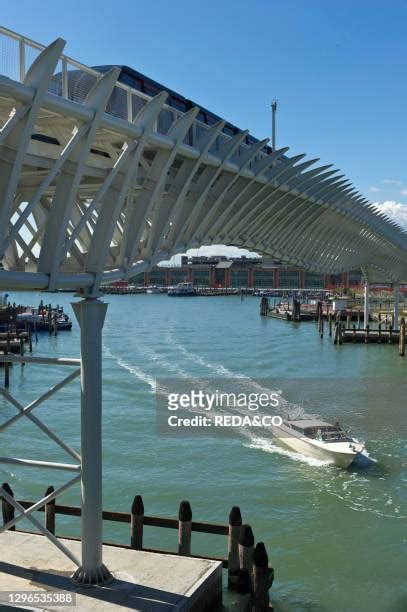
369, 467
296, 605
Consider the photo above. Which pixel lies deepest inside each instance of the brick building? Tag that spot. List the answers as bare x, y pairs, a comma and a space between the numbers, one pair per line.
222, 271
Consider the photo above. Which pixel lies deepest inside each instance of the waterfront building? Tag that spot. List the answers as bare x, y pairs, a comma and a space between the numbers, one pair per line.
219, 271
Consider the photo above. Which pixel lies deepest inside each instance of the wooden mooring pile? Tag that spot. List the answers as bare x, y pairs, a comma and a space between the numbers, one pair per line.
247, 563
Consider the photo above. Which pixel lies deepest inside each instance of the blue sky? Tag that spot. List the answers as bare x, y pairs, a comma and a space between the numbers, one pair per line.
337, 67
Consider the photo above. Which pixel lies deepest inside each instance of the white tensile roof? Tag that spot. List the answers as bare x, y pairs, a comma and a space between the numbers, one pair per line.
92, 189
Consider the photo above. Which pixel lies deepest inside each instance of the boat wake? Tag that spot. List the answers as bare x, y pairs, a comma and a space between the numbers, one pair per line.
354, 492
135, 371
351, 487
166, 364
287, 409
217, 368
156, 360
268, 446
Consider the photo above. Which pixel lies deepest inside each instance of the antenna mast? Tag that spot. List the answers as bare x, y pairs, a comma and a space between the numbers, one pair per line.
273, 124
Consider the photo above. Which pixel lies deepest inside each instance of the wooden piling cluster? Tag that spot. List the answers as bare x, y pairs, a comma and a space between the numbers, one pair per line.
247, 563
14, 343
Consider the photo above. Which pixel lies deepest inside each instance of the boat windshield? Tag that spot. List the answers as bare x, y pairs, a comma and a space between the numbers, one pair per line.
326, 434
321, 431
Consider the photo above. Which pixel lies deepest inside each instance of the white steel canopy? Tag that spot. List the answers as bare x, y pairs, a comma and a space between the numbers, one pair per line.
99, 181
93, 188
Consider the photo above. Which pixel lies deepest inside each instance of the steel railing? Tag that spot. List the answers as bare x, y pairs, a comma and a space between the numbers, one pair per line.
26, 411
73, 80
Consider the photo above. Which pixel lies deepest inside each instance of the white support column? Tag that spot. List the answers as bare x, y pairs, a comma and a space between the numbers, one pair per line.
366, 304
396, 298
90, 314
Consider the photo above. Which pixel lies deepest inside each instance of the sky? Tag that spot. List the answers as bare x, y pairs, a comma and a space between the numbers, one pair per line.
337, 68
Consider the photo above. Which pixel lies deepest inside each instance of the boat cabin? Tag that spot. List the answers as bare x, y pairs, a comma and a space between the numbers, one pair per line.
318, 430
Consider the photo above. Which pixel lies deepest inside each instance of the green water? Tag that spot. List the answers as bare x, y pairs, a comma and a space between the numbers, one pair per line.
337, 539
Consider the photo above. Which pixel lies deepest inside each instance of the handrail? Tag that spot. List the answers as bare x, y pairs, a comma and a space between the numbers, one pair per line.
125, 517
130, 91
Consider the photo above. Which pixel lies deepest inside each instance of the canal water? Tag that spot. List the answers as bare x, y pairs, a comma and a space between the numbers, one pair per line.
336, 538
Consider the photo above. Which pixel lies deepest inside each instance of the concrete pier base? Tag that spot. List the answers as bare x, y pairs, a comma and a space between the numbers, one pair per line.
143, 581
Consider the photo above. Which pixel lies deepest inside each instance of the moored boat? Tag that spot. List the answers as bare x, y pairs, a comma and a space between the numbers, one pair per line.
181, 290
40, 322
153, 289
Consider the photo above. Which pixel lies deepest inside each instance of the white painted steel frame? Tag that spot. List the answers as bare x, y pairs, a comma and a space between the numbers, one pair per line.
105, 197
93, 189
27, 514
25, 411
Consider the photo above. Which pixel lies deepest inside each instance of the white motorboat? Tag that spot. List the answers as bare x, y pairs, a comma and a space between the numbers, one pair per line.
153, 289
319, 439
182, 289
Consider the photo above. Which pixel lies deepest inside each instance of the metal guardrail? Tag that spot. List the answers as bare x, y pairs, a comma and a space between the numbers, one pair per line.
73, 81
26, 411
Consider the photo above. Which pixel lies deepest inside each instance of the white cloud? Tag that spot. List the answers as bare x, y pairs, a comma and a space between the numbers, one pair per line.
392, 182
214, 249
221, 249
397, 211
374, 189
403, 191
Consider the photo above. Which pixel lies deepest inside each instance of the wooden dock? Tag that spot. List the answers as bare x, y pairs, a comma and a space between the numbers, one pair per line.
339, 324
247, 564
122, 290
201, 291
17, 318
370, 336
288, 315
299, 312
143, 581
